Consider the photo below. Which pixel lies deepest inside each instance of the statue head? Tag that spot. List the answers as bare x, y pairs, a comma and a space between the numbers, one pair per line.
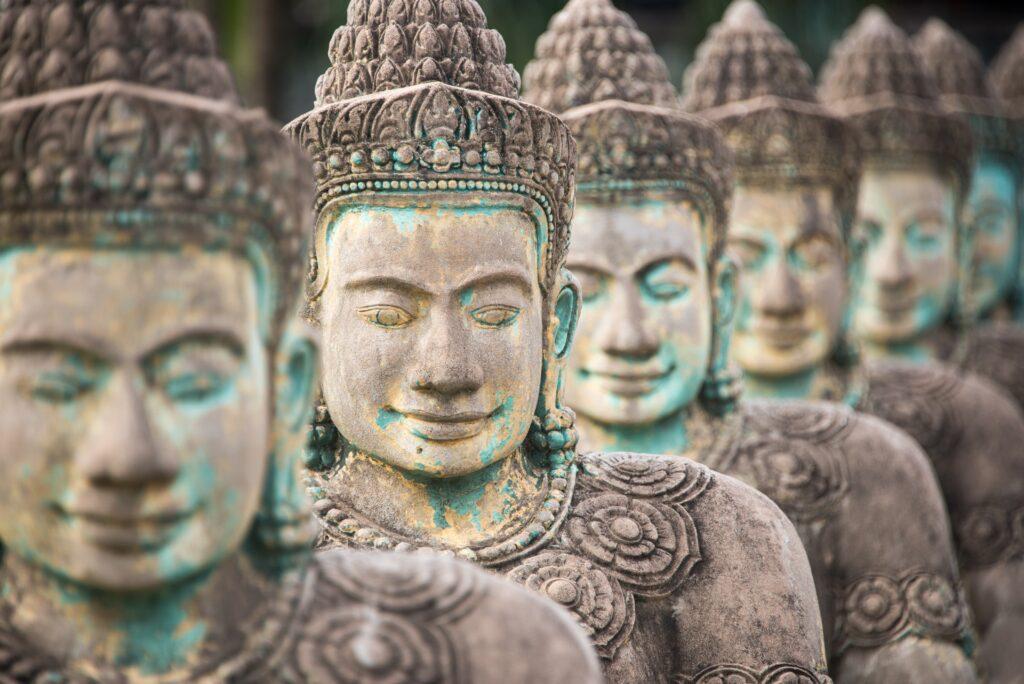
1007, 82
443, 205
917, 159
653, 187
796, 175
990, 213
149, 238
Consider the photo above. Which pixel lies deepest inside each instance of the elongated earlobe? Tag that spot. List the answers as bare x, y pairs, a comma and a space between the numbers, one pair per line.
567, 312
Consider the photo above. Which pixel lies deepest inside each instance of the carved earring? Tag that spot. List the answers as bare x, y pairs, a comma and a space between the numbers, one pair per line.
325, 444
552, 440
723, 385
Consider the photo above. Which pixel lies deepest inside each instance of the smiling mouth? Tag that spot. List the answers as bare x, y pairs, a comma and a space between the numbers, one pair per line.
895, 308
125, 535
446, 427
783, 337
630, 383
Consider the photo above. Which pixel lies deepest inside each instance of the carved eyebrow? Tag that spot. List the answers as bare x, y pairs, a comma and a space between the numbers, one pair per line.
384, 281
687, 261
41, 344
209, 335
506, 276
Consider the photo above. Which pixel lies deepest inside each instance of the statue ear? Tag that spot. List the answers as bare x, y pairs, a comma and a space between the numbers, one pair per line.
567, 315
283, 531
296, 366
725, 294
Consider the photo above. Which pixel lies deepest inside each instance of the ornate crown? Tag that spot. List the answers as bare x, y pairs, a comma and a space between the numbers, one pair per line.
1007, 72
419, 98
959, 73
750, 80
875, 81
118, 120
600, 72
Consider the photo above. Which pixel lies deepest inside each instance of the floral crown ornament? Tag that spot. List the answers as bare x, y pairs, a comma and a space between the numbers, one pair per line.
119, 124
964, 87
418, 99
874, 80
751, 82
601, 74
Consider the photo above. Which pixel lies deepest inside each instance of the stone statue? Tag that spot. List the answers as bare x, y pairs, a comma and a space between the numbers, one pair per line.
648, 369
915, 160
1006, 78
444, 204
995, 348
152, 235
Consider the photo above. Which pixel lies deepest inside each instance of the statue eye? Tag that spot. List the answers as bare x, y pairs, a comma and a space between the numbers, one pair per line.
193, 372
386, 316
926, 234
495, 315
60, 388
667, 280
749, 253
591, 282
815, 253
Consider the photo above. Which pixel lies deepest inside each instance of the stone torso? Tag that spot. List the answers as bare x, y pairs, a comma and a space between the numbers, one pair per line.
973, 435
647, 558
354, 617
843, 478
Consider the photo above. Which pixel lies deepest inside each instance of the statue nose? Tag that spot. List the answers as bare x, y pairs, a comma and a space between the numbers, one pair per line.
624, 329
119, 450
891, 268
447, 364
781, 295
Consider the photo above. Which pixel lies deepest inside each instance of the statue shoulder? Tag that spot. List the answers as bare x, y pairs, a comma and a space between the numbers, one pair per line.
996, 352
426, 617
655, 527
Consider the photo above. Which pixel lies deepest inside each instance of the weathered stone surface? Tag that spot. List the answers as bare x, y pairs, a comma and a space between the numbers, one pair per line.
155, 387
448, 316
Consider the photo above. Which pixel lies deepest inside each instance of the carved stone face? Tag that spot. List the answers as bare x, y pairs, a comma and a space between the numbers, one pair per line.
644, 339
789, 244
991, 213
433, 331
135, 395
906, 217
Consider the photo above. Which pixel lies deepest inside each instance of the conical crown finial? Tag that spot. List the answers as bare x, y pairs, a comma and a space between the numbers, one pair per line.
1007, 71
955, 64
875, 57
390, 44
46, 45
744, 13
743, 57
593, 52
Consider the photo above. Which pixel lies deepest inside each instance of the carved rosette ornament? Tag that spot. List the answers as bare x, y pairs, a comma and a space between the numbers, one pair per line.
919, 403
795, 455
877, 609
749, 79
875, 81
736, 674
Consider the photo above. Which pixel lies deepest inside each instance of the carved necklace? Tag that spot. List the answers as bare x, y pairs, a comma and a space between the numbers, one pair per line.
250, 660
551, 441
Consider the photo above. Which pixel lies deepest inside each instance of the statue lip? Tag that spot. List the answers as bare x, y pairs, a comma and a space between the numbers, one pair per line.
630, 382
447, 427
894, 307
782, 335
129, 533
